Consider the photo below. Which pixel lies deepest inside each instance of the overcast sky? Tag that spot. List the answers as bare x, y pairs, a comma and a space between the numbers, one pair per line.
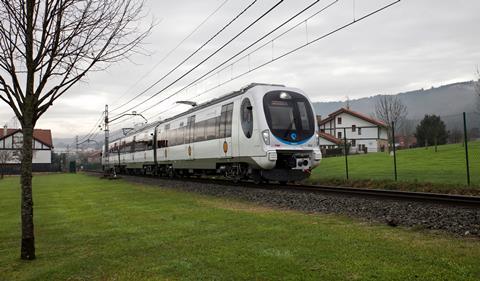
411, 45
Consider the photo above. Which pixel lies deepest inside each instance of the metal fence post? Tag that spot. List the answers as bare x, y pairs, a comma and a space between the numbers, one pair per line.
394, 151
466, 146
346, 151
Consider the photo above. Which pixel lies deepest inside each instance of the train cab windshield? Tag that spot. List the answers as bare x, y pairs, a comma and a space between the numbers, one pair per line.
289, 116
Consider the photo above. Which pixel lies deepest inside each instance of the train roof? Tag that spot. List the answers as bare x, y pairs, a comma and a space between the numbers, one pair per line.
201, 106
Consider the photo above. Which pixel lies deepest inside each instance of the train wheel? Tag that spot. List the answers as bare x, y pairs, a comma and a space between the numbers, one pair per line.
171, 173
257, 181
256, 177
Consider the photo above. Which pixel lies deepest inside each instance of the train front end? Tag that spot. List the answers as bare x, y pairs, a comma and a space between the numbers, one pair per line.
289, 135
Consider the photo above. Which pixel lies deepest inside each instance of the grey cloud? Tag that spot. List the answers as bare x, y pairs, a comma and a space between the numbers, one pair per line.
412, 45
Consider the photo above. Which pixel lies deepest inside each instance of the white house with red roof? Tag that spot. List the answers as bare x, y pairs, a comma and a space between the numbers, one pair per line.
362, 132
11, 141
328, 141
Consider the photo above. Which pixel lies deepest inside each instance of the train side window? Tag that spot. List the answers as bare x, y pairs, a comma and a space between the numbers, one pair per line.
161, 143
180, 135
140, 146
132, 146
221, 124
189, 129
171, 137
200, 131
226, 121
246, 117
217, 127
228, 126
211, 128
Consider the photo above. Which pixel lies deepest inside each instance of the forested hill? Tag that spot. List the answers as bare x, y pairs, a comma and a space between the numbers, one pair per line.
446, 100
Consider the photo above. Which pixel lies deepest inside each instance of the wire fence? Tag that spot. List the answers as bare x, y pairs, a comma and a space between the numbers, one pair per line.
396, 153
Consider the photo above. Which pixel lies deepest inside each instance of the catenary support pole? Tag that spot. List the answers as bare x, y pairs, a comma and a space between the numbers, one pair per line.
106, 152
465, 137
394, 152
346, 151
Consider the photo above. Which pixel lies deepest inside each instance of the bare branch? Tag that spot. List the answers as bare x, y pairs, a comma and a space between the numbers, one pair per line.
390, 109
69, 39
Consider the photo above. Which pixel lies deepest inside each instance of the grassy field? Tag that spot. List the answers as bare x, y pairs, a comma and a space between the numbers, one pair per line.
446, 167
92, 229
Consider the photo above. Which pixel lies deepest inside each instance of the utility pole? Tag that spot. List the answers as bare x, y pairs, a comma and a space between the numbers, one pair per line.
76, 144
106, 153
107, 135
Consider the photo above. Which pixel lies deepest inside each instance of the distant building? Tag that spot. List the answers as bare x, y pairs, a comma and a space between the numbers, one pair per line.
405, 141
11, 142
328, 141
363, 133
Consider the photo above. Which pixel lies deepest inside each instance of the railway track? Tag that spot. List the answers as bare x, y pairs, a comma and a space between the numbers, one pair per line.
435, 198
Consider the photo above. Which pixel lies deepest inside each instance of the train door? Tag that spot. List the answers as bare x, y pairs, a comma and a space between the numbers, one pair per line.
132, 150
167, 135
190, 137
161, 145
225, 141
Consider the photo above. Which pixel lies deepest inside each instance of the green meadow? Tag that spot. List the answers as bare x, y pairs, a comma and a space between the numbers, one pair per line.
93, 229
424, 168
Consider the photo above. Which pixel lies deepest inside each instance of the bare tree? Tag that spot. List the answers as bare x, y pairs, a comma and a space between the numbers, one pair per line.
5, 157
390, 109
407, 130
47, 46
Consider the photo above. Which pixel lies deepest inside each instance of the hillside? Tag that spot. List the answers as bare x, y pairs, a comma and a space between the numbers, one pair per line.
446, 100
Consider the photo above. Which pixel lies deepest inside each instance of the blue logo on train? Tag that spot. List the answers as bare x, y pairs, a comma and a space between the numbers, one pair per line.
293, 136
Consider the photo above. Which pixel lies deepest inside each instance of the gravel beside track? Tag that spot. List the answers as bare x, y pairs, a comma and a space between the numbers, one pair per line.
454, 219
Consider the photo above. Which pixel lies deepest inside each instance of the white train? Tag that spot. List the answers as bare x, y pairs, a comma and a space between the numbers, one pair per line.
262, 132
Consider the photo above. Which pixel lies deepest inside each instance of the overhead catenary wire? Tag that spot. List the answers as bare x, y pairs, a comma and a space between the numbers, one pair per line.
92, 131
170, 52
305, 45
89, 135
248, 47
187, 58
208, 57
354, 21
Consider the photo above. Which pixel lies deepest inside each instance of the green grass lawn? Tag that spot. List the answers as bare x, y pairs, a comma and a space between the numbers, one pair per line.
445, 167
92, 229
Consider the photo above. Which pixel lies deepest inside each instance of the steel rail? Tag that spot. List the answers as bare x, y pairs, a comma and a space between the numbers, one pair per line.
434, 198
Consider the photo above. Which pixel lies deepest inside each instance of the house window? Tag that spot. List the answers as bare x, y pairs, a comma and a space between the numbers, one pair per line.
359, 131
339, 134
353, 142
339, 120
354, 128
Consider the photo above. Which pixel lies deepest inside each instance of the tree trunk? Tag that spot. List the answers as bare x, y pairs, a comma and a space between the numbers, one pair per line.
28, 123
28, 236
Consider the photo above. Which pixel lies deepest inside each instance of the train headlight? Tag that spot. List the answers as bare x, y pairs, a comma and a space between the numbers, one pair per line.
266, 137
318, 139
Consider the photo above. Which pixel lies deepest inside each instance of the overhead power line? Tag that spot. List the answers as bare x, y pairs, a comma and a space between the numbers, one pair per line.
187, 58
249, 46
171, 51
354, 21
211, 55
92, 131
